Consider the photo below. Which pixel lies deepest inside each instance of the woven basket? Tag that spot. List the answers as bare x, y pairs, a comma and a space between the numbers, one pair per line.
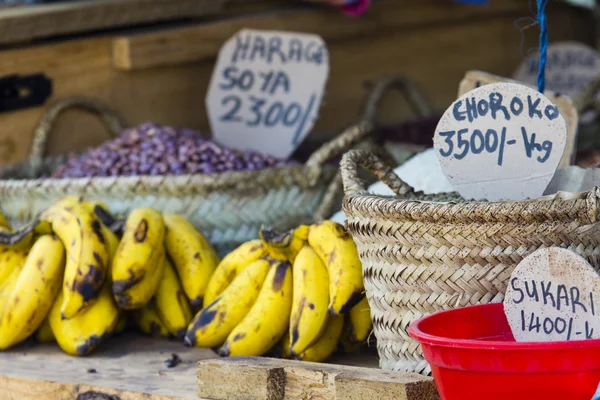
423, 253
228, 207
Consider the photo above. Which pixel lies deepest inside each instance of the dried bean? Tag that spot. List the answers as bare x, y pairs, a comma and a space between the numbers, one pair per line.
158, 150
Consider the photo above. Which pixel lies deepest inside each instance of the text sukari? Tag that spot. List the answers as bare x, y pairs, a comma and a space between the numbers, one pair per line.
560, 297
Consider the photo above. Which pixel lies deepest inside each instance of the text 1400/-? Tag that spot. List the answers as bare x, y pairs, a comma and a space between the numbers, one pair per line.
530, 322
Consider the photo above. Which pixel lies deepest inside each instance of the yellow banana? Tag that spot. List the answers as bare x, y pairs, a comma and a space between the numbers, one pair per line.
44, 333
148, 321
172, 305
86, 253
6, 288
288, 244
34, 292
110, 239
284, 346
82, 334
112, 243
358, 324
23, 244
311, 298
231, 266
338, 251
211, 326
138, 264
10, 260
194, 258
268, 318
327, 343
121, 324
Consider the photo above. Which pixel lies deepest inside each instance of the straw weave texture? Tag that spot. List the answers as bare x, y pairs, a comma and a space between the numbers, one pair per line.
420, 257
229, 207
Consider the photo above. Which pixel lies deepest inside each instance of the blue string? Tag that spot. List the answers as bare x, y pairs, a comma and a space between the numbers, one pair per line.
541, 18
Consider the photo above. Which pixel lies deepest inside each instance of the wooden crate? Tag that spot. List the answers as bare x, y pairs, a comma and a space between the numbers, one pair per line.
131, 367
162, 73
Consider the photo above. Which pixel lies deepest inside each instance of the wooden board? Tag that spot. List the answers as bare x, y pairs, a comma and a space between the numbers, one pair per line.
34, 22
174, 94
253, 378
127, 366
202, 41
132, 366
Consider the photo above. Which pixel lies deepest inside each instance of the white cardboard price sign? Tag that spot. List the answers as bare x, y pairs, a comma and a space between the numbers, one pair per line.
501, 141
266, 90
570, 67
553, 295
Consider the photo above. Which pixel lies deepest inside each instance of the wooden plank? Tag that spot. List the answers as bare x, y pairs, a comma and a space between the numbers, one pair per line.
130, 366
474, 79
203, 41
41, 21
255, 378
175, 94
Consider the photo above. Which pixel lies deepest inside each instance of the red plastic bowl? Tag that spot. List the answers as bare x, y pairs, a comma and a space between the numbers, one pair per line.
473, 355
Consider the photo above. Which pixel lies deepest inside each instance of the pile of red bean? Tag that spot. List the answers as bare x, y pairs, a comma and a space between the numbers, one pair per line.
151, 149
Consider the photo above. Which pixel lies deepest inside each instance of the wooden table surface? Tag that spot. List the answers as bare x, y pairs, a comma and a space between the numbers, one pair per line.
129, 366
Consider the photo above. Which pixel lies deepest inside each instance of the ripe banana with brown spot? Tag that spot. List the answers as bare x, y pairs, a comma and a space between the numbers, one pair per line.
268, 319
7, 285
231, 266
338, 252
110, 238
172, 305
87, 257
357, 326
148, 321
288, 244
211, 326
82, 334
194, 258
9, 261
138, 264
311, 299
34, 291
326, 344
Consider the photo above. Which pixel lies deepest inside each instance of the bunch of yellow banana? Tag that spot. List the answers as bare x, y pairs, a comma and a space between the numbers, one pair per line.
300, 292
76, 275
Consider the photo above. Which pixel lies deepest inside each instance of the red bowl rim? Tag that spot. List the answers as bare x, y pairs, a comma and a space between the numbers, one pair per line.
414, 330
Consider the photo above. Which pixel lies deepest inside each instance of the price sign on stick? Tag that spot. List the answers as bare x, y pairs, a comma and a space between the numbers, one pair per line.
553, 294
570, 67
501, 141
266, 90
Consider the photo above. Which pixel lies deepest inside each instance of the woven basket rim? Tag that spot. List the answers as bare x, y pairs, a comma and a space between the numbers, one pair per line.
305, 176
560, 206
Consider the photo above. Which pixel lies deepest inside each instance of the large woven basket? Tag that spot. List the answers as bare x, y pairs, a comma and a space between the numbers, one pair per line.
228, 207
422, 254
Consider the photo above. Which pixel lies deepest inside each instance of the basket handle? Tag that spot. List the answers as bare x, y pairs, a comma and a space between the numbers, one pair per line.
372, 163
356, 133
415, 98
111, 120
